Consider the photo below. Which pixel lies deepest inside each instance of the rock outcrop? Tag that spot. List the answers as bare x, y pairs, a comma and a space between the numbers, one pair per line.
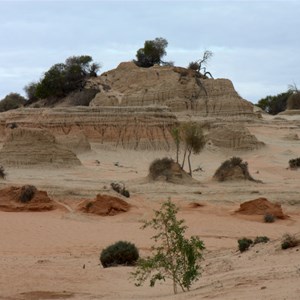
127, 127
25, 147
178, 88
293, 105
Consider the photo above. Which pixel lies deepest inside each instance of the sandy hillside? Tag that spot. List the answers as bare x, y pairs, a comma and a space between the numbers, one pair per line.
55, 254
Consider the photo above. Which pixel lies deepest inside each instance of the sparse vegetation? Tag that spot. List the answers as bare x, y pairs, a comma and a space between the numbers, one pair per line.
244, 244
294, 163
27, 193
261, 239
174, 256
120, 253
2, 172
269, 218
120, 188
289, 241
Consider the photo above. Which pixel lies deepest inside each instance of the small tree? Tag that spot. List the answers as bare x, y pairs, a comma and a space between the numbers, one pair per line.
174, 257
194, 142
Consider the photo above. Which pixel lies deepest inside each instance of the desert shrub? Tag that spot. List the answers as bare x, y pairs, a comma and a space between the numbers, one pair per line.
269, 218
173, 256
120, 253
27, 193
244, 244
289, 241
294, 163
159, 166
120, 188
2, 172
261, 239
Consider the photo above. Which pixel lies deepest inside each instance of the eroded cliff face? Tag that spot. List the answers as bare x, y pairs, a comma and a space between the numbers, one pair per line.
127, 127
178, 88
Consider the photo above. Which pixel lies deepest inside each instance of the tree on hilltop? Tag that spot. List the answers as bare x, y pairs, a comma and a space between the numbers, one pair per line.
152, 53
63, 78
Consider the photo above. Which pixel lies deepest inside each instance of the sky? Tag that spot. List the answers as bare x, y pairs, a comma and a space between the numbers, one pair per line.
256, 44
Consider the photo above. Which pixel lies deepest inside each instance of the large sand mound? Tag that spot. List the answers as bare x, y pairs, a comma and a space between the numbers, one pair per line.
16, 199
31, 147
105, 205
261, 206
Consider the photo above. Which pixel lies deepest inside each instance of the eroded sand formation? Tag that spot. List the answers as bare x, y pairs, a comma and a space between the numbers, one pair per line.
27, 147
178, 88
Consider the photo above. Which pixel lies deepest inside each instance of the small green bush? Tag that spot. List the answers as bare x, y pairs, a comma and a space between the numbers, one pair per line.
27, 193
294, 163
261, 239
120, 253
289, 241
269, 218
244, 244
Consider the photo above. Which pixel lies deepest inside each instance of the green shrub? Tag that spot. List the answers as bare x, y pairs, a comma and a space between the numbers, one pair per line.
120, 253
261, 239
269, 218
27, 193
12, 101
244, 244
289, 241
294, 163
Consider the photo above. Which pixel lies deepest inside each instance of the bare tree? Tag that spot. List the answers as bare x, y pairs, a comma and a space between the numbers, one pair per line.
201, 63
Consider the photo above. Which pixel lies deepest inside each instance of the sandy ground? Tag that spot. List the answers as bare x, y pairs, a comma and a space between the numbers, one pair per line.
55, 255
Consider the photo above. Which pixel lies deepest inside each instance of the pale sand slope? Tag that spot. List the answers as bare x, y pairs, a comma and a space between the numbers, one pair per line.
42, 254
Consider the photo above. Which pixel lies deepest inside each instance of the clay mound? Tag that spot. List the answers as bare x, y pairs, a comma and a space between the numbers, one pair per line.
25, 198
178, 88
237, 138
31, 147
261, 206
167, 170
233, 169
105, 205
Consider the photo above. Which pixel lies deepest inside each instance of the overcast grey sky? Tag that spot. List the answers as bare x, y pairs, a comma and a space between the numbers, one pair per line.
256, 44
